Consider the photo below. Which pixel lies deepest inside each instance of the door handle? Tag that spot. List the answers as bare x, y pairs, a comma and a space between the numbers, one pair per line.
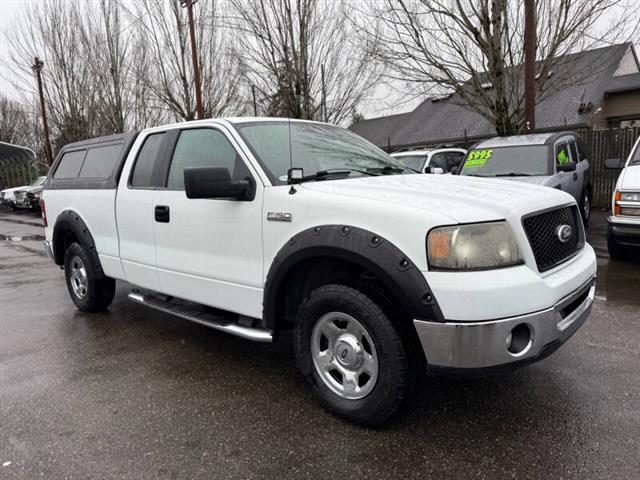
575, 176
162, 213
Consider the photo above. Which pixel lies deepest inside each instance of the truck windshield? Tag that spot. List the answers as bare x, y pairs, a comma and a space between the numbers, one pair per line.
524, 160
414, 162
636, 156
314, 147
37, 181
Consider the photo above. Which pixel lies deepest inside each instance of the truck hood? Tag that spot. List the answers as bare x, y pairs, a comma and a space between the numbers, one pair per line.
631, 179
461, 198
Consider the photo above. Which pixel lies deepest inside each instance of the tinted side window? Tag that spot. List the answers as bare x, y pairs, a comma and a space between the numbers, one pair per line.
574, 152
100, 161
562, 153
202, 147
142, 175
70, 165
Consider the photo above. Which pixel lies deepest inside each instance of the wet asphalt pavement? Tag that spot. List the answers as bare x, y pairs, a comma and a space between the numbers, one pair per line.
132, 393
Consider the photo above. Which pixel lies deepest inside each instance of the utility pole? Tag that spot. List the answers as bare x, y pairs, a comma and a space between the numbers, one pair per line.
194, 55
37, 68
529, 66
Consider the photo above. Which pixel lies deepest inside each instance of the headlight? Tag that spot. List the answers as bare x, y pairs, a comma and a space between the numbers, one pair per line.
630, 196
479, 246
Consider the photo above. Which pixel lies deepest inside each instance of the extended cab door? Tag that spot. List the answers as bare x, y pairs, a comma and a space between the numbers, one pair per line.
134, 211
209, 250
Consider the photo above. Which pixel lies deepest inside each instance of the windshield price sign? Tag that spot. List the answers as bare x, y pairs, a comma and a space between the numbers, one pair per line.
477, 158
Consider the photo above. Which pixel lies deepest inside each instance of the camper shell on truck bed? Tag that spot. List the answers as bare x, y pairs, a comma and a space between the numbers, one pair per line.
93, 164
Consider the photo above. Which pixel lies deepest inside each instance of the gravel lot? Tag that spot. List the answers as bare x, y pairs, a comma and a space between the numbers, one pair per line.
132, 393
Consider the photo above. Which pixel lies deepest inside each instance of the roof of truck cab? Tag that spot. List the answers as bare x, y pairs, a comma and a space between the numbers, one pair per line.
523, 140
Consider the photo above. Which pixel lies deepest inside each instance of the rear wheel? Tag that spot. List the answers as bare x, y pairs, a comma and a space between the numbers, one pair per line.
356, 361
616, 251
90, 291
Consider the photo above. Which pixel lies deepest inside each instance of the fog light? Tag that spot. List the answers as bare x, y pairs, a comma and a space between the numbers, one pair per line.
519, 340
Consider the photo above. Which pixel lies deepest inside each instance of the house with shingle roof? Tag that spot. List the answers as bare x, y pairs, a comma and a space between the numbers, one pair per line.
597, 88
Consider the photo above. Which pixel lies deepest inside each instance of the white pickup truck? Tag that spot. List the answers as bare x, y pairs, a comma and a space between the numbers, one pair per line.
257, 226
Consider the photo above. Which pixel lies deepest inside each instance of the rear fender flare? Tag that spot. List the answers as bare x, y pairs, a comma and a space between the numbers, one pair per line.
70, 221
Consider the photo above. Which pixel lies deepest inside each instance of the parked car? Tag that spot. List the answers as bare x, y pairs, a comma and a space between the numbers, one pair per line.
28, 197
257, 226
623, 232
8, 195
437, 160
554, 160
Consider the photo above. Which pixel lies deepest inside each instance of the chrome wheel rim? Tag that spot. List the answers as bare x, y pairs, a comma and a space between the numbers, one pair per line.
78, 277
586, 206
344, 355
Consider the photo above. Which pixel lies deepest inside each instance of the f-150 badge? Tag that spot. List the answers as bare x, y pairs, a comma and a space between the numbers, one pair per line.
278, 216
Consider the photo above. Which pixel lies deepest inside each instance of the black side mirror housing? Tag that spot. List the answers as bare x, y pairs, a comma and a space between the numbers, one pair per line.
216, 182
567, 167
614, 163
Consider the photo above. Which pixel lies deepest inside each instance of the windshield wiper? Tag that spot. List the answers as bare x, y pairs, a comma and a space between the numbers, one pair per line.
325, 174
513, 174
388, 170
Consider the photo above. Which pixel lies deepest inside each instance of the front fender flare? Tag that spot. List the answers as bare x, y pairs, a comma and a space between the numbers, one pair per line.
367, 249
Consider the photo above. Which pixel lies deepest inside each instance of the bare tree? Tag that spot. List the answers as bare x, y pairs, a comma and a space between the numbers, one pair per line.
473, 48
284, 45
164, 38
53, 31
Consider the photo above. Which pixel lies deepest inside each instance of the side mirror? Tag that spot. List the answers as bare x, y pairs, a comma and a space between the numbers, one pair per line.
434, 170
567, 167
614, 163
215, 182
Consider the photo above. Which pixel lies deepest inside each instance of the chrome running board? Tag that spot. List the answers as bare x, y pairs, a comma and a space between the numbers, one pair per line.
198, 315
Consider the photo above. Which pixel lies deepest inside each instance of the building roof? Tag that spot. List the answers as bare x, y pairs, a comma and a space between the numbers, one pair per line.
623, 83
589, 75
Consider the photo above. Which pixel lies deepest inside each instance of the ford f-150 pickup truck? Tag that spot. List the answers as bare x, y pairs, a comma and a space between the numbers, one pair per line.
258, 226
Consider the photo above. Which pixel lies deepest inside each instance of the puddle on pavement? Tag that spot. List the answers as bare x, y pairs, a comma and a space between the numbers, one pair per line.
21, 238
619, 281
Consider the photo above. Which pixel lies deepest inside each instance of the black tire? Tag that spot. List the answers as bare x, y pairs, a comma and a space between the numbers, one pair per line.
98, 289
585, 205
396, 371
616, 251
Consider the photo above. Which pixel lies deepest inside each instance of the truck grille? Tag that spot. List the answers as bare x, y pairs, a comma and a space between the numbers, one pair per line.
542, 232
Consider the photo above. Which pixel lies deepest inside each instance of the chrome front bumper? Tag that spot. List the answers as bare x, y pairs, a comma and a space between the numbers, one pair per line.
481, 345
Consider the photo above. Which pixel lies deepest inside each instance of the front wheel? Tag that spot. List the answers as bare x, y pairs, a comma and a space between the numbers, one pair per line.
354, 358
616, 251
585, 206
90, 291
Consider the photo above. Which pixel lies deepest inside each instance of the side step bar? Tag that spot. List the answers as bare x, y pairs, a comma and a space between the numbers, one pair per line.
198, 316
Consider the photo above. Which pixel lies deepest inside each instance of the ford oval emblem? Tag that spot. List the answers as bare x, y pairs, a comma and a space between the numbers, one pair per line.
564, 232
